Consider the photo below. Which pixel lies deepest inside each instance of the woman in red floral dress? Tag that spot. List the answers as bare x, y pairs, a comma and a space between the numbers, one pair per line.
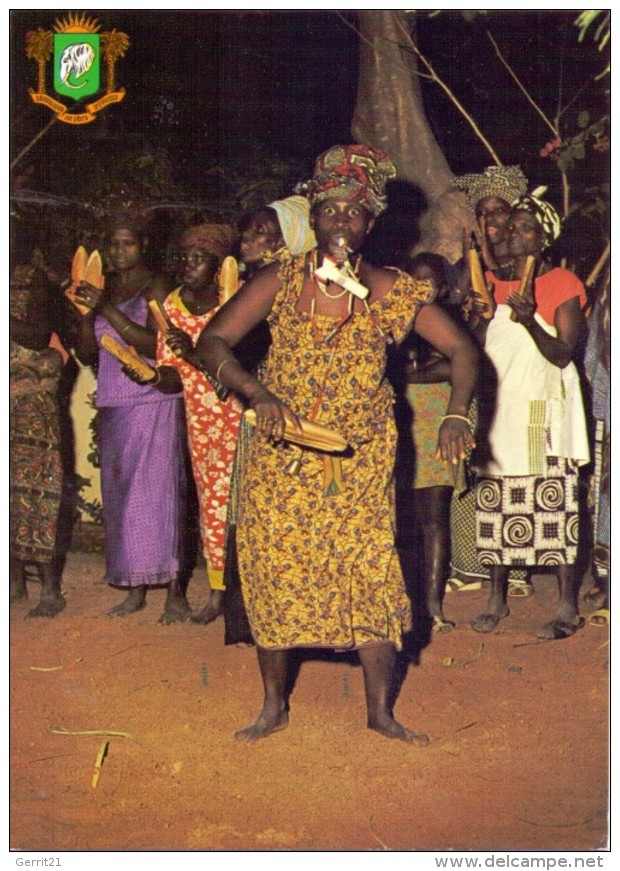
212, 422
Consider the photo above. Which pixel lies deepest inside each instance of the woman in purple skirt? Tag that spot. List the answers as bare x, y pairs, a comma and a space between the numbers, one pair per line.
141, 433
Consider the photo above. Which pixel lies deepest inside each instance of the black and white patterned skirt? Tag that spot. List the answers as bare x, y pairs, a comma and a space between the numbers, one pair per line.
529, 519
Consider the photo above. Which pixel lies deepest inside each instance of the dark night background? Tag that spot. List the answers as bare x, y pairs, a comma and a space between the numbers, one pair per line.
227, 99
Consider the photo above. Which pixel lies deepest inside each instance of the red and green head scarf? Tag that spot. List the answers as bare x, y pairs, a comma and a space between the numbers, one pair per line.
351, 172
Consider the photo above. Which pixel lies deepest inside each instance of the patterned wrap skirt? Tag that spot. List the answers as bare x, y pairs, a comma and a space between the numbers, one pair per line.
529, 519
35, 476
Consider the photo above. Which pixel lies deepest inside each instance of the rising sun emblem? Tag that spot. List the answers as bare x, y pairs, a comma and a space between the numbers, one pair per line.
76, 24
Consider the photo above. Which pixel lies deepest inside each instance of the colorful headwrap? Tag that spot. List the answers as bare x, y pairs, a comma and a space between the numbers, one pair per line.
294, 219
215, 238
545, 214
356, 172
504, 182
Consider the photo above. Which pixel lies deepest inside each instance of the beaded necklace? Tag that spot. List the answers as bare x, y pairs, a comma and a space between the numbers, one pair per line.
323, 288
335, 329
346, 317
332, 464
319, 285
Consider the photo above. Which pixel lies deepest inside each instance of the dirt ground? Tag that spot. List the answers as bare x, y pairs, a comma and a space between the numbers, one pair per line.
518, 756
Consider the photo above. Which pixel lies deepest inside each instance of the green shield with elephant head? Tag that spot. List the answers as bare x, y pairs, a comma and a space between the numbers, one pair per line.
76, 64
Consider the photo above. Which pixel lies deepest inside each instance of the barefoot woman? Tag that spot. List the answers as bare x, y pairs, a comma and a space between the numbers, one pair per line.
141, 433
34, 430
212, 423
316, 549
527, 510
489, 195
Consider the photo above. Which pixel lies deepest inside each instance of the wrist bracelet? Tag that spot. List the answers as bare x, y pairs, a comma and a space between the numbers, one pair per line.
456, 417
223, 363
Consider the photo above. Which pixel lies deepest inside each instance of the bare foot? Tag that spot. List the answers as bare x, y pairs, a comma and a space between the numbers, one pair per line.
49, 606
387, 726
266, 723
441, 626
487, 622
135, 601
176, 610
559, 629
209, 613
17, 592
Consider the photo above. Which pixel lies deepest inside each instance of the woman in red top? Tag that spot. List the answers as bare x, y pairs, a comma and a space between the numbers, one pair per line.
526, 497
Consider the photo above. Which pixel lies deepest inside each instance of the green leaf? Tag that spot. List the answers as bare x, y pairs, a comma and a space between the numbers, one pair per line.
565, 160
602, 32
584, 21
583, 119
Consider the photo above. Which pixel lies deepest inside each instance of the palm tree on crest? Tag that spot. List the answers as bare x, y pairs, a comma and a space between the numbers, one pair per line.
114, 45
39, 47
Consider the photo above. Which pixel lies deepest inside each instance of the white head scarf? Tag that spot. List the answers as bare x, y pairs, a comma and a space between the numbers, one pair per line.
294, 217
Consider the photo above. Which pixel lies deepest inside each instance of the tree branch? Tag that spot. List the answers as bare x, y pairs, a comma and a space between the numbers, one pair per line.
439, 81
32, 142
434, 77
522, 87
354, 29
596, 270
373, 47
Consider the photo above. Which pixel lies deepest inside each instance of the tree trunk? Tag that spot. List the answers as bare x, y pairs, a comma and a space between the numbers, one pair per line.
390, 115
41, 76
111, 83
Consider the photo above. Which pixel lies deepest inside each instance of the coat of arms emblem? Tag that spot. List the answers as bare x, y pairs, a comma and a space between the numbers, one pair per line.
78, 53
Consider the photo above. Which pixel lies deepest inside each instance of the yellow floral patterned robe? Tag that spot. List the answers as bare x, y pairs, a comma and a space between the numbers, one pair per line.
321, 570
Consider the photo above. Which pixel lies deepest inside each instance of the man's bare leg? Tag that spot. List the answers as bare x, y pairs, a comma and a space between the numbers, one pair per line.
51, 601
497, 608
435, 523
378, 666
273, 717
